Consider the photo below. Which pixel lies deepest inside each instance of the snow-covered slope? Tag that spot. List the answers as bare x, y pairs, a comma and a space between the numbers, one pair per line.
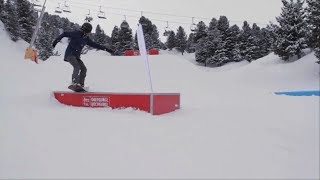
231, 125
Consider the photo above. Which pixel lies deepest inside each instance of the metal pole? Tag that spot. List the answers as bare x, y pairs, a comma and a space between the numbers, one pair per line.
34, 36
143, 53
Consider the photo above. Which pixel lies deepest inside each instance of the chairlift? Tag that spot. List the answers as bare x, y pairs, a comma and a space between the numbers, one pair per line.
101, 14
88, 17
124, 24
66, 8
193, 26
58, 9
36, 3
167, 30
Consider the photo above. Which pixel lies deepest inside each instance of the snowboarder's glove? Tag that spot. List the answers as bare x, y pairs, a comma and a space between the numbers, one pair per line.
54, 44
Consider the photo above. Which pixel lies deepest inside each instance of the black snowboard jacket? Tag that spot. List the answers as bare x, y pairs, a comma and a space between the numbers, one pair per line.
77, 41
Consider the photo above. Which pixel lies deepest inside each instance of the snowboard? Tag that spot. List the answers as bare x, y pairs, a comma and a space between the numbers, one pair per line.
77, 88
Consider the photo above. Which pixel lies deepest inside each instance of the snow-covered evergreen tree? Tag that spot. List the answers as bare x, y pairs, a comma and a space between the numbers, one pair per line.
201, 52
99, 36
10, 20
215, 48
44, 41
313, 20
266, 41
181, 40
253, 51
171, 40
273, 31
292, 33
155, 36
213, 24
27, 19
245, 34
125, 37
223, 27
115, 42
200, 32
233, 44
1, 9
191, 46
148, 31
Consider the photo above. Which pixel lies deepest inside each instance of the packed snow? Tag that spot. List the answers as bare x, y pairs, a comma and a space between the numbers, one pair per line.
230, 125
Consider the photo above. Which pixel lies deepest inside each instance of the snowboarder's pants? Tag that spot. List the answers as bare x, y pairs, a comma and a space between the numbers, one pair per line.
79, 70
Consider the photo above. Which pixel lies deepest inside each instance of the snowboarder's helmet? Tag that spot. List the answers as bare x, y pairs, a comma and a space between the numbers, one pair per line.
86, 27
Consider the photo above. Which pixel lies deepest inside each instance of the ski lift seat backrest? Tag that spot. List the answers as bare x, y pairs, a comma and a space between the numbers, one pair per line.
102, 16
193, 27
58, 10
67, 10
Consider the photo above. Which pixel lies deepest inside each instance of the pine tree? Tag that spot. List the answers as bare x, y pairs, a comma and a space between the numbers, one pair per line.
233, 44
171, 41
223, 27
292, 32
254, 51
245, 34
213, 24
1, 10
191, 47
146, 25
215, 47
125, 37
10, 18
223, 24
313, 20
273, 31
266, 41
200, 32
99, 36
148, 41
181, 40
148, 31
115, 42
201, 52
27, 19
44, 41
155, 37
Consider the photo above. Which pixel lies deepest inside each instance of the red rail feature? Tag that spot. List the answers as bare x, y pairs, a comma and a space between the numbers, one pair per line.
154, 103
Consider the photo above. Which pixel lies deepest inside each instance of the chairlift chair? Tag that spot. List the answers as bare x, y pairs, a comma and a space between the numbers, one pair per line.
36, 3
88, 17
66, 8
167, 30
193, 26
124, 24
101, 14
58, 9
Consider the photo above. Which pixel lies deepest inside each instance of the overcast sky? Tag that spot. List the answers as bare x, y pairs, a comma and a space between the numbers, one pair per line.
259, 11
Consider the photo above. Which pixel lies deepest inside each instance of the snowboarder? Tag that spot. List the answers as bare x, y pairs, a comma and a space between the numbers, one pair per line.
78, 39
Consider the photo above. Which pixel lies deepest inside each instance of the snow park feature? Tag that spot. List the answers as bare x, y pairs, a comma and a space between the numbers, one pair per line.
299, 93
154, 103
137, 53
131, 53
